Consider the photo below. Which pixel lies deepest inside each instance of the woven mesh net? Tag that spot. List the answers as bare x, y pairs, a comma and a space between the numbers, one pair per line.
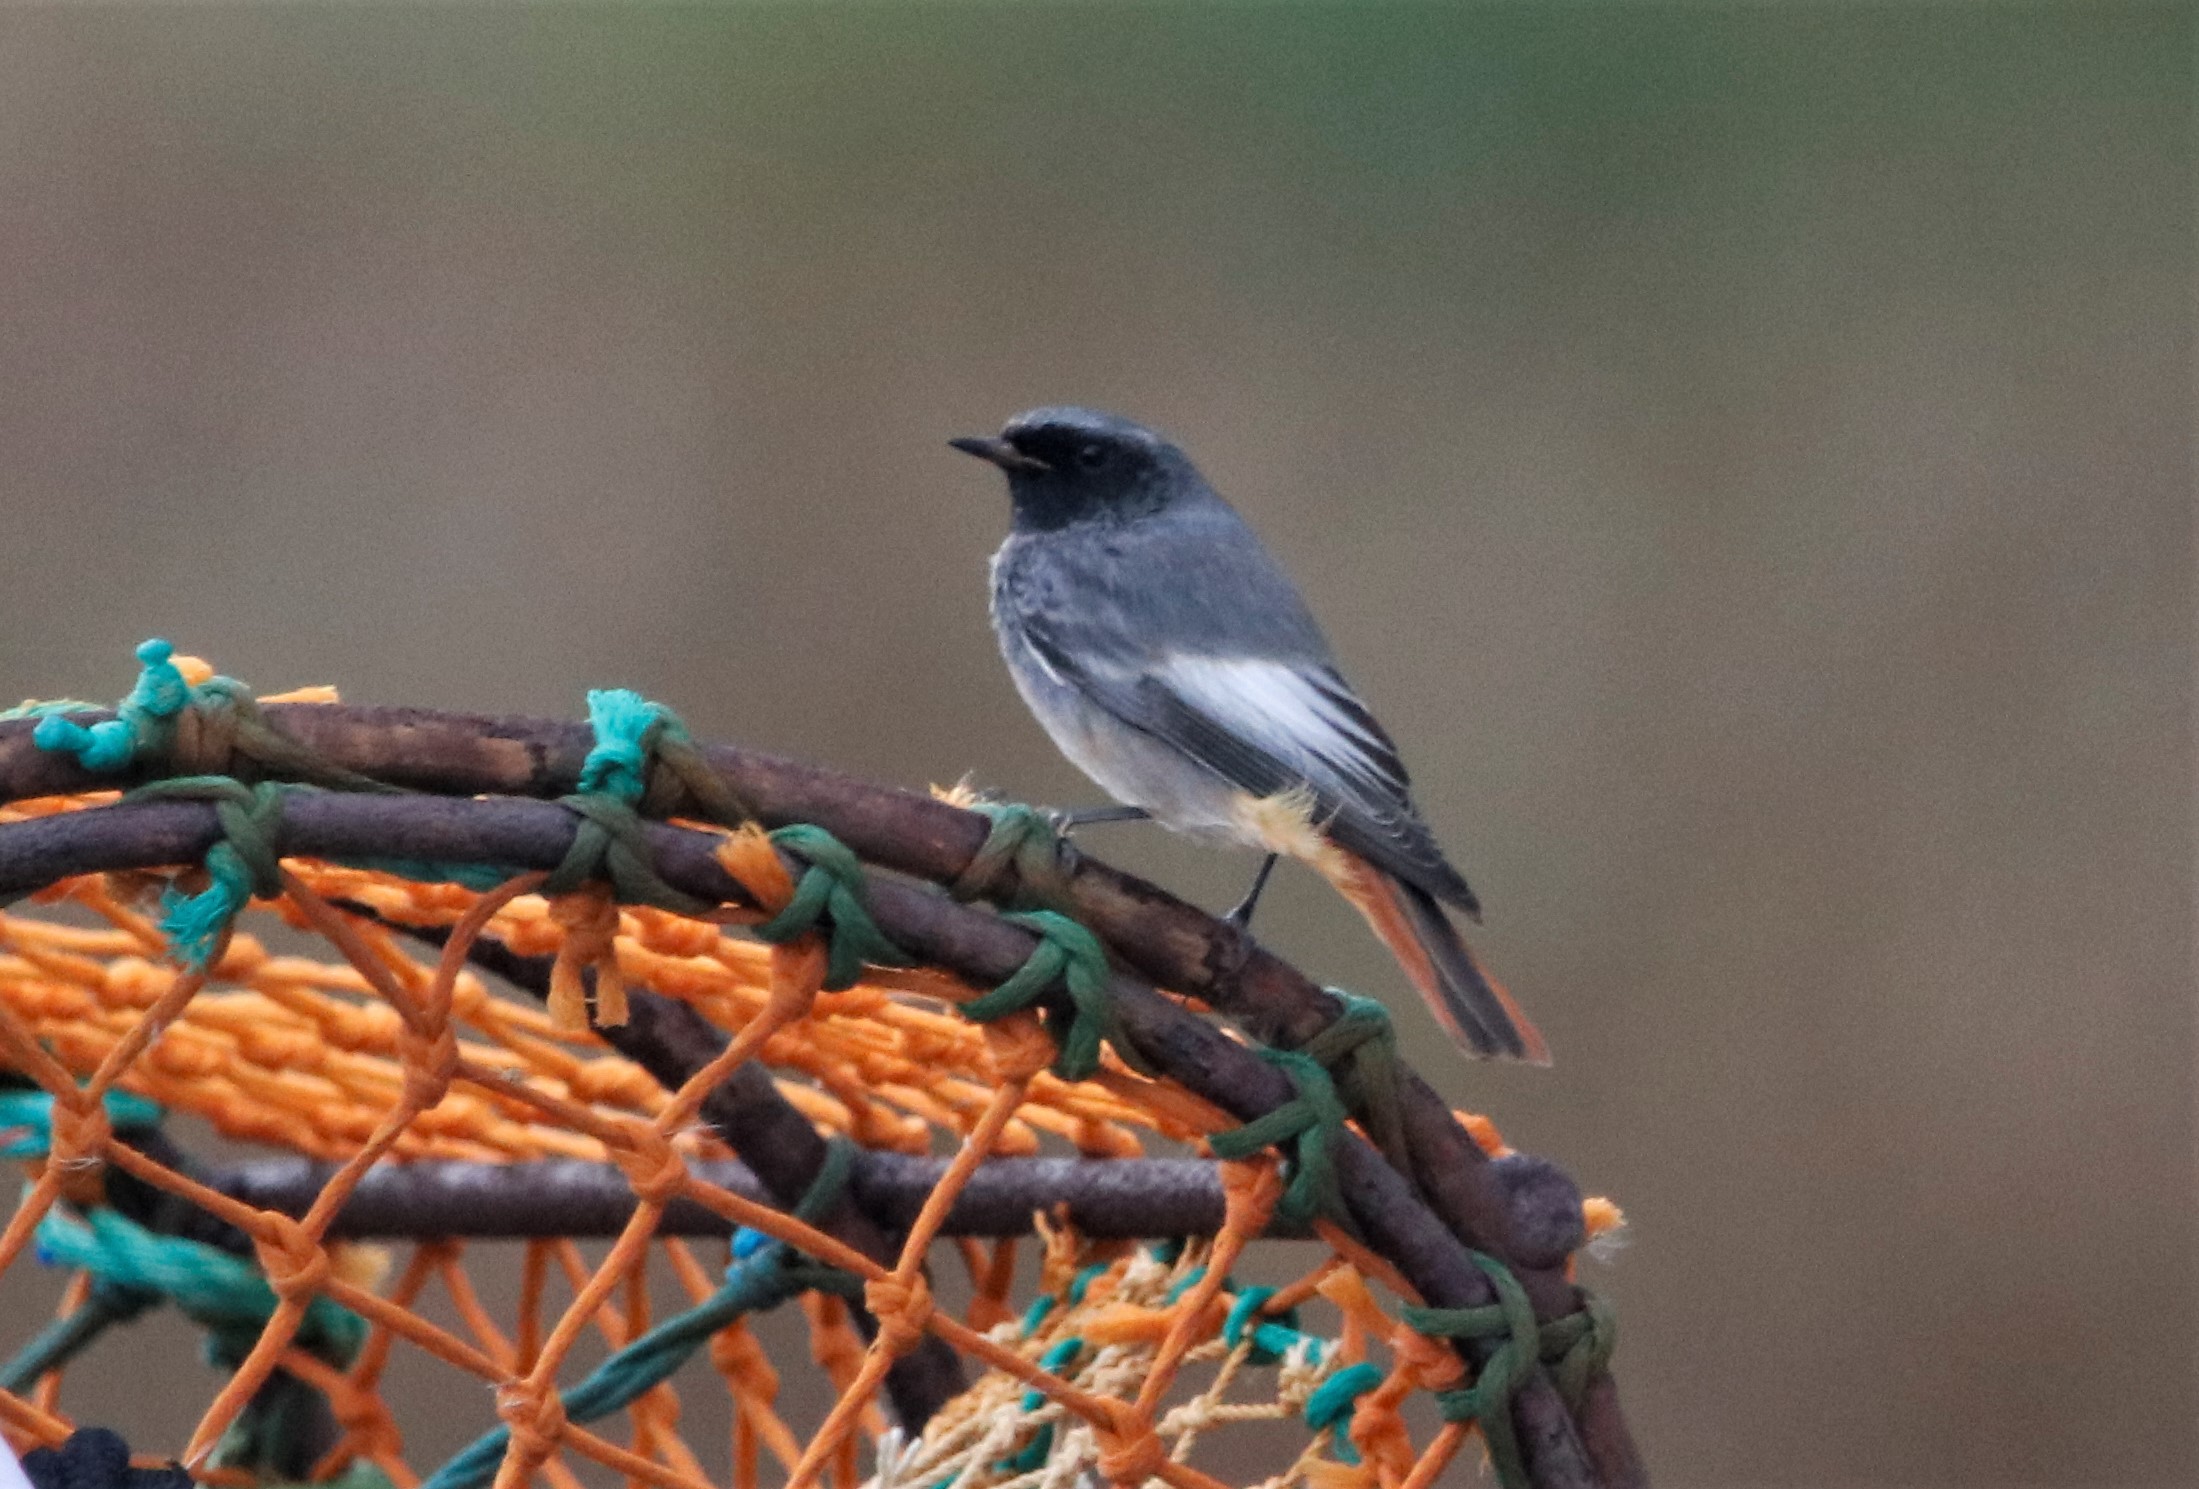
383, 1023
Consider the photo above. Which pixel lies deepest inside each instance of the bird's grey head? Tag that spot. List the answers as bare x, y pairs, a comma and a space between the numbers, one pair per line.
1068, 465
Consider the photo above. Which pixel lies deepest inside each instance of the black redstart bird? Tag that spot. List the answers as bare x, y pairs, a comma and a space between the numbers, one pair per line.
1174, 663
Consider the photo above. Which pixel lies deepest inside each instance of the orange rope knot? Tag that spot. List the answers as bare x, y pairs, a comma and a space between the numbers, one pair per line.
1249, 1191
80, 1132
589, 918
798, 967
651, 1165
902, 1309
1130, 1450
535, 1416
430, 1061
1378, 1430
1427, 1364
1019, 1047
295, 1265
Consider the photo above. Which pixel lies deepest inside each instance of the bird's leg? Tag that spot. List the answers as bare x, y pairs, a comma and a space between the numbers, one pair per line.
1068, 821
1241, 917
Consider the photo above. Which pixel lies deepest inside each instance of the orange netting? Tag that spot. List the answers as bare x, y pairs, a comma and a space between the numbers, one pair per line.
386, 1053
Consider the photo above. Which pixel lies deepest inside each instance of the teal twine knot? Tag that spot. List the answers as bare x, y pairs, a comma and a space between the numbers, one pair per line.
1360, 1050
1488, 1401
627, 727
144, 721
830, 895
227, 725
1331, 1402
610, 841
245, 863
1272, 1334
631, 732
1023, 838
1310, 1122
1069, 955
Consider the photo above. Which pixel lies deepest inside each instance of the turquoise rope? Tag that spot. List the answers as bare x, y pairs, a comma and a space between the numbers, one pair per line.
223, 1294
1033, 1453
1272, 1337
144, 722
26, 1119
1331, 1403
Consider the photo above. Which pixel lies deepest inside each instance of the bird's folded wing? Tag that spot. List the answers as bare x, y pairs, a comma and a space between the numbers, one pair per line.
1268, 727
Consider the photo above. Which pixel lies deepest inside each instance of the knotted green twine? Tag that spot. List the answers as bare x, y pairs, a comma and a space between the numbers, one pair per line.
764, 1274
831, 892
1070, 955
245, 863
1576, 1347
1359, 1050
1310, 1123
1024, 838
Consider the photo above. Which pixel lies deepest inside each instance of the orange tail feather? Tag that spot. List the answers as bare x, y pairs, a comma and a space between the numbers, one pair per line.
1473, 1006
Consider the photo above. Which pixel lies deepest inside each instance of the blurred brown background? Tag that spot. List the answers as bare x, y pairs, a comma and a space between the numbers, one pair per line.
1744, 455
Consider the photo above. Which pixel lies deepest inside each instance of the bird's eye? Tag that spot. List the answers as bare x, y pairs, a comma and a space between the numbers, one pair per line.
1092, 457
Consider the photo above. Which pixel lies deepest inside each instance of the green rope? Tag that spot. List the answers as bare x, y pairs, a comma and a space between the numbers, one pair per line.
1024, 838
223, 1294
764, 1274
245, 863
1069, 955
107, 1303
1577, 1348
1331, 1403
26, 1119
831, 893
1359, 1050
1310, 1122
1488, 1401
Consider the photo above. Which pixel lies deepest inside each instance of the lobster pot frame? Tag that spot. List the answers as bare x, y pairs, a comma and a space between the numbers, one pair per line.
764, 1038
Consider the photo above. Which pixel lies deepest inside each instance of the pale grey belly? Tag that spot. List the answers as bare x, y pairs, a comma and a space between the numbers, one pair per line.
1132, 767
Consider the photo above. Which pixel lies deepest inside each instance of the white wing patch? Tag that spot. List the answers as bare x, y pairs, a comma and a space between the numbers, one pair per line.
1283, 710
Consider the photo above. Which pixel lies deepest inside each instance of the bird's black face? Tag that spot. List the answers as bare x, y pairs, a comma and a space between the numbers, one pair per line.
1068, 465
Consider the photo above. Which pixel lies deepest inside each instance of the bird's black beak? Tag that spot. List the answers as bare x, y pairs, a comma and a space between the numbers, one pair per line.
999, 452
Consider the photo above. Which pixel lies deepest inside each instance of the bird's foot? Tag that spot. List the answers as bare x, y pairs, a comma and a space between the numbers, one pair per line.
1066, 820
1241, 916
